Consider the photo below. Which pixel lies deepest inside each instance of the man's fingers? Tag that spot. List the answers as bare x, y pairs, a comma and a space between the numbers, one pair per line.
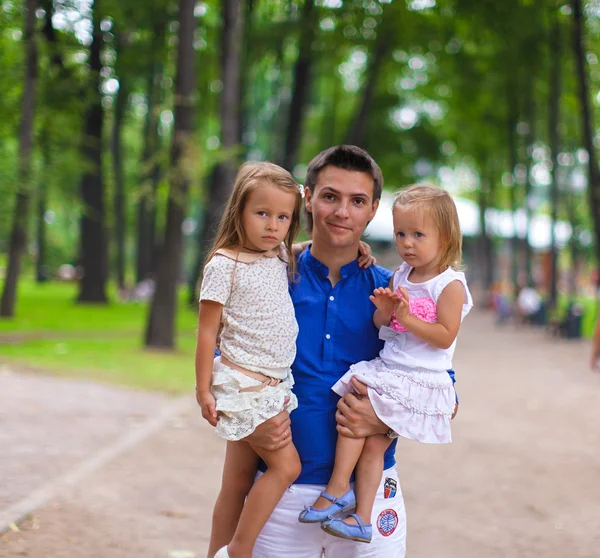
360, 387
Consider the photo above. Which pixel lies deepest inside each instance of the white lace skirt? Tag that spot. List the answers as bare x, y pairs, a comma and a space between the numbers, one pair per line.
414, 402
240, 412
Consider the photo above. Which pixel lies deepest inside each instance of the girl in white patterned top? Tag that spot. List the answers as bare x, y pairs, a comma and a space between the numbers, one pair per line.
244, 299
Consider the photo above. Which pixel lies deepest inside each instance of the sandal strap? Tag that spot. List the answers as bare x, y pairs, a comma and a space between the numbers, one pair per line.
358, 520
329, 497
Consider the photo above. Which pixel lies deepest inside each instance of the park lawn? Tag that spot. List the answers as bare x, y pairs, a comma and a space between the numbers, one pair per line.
52, 334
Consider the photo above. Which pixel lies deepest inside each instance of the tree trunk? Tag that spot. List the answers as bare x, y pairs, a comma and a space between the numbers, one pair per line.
18, 236
357, 131
119, 201
41, 274
512, 148
553, 122
529, 255
223, 175
150, 171
160, 331
301, 89
94, 252
485, 242
588, 128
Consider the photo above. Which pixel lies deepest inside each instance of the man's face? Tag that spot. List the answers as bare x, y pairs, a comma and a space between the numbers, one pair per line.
341, 206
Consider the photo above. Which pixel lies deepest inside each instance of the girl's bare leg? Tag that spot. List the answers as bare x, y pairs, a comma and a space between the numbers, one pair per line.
368, 476
241, 462
283, 468
347, 454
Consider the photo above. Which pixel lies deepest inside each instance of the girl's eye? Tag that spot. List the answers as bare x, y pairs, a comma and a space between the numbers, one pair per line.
400, 234
418, 234
262, 213
283, 217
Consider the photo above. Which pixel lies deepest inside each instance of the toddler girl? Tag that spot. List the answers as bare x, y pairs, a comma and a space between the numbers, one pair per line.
419, 315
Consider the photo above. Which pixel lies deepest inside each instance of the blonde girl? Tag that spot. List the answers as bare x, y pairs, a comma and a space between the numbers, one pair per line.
244, 301
418, 315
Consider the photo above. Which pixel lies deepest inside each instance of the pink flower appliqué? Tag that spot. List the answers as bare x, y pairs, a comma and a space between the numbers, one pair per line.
423, 308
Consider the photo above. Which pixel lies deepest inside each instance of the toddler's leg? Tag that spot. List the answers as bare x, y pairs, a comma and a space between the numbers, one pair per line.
347, 454
241, 462
368, 476
283, 468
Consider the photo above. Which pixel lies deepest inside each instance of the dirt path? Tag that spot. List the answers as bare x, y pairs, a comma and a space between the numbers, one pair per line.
520, 480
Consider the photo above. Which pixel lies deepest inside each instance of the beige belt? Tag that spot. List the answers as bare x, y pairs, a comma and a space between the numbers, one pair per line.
262, 378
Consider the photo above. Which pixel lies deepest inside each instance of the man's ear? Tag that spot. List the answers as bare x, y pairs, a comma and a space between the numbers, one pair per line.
308, 199
374, 209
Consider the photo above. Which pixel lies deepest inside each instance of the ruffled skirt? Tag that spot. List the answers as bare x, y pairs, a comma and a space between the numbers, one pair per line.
414, 402
240, 412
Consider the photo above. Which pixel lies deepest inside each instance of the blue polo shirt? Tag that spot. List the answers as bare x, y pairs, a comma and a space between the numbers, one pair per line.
336, 331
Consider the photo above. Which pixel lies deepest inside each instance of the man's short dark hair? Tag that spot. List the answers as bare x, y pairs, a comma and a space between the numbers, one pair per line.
347, 157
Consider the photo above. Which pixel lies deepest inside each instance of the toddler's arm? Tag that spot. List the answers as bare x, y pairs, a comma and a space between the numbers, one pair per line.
386, 301
209, 321
449, 307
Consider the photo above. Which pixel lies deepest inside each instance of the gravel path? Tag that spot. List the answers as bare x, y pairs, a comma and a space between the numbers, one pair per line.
520, 479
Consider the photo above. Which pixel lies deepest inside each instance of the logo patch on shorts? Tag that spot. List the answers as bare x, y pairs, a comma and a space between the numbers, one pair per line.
387, 522
389, 488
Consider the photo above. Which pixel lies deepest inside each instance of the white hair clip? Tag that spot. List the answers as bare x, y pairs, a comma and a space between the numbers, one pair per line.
301, 190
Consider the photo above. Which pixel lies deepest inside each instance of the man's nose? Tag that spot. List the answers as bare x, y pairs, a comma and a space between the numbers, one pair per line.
342, 210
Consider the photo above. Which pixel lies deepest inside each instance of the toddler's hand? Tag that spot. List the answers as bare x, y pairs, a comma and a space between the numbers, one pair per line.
385, 300
366, 258
208, 406
403, 308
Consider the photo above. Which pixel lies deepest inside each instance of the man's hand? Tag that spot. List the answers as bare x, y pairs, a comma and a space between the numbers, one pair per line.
355, 415
273, 434
207, 403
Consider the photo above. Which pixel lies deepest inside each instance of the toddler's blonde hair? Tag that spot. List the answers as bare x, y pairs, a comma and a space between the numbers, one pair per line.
438, 204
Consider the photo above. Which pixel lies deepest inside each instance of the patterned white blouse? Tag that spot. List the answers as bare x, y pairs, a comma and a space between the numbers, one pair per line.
259, 325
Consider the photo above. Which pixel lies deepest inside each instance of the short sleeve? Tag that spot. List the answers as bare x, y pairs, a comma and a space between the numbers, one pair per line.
217, 279
449, 277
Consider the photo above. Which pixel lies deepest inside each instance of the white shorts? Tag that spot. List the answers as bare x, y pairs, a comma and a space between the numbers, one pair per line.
284, 535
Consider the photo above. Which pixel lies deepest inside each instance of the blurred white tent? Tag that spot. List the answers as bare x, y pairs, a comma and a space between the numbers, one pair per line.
499, 223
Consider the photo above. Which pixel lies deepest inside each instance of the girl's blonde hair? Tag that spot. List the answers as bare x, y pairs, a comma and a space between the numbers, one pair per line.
249, 177
440, 206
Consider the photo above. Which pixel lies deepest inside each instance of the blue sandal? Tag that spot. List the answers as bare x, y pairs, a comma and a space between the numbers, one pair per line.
345, 503
358, 533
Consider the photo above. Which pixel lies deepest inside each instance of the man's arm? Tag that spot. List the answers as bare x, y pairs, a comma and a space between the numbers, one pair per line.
356, 417
272, 434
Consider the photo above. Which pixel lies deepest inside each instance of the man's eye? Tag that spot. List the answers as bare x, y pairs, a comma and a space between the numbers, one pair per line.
359, 201
329, 197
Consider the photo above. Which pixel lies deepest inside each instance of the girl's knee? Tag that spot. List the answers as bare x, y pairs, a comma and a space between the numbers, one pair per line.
289, 470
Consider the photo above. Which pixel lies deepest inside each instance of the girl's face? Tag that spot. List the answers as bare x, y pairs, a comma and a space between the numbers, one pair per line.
417, 238
267, 216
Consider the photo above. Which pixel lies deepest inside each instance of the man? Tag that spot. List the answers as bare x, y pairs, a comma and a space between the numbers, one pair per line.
335, 317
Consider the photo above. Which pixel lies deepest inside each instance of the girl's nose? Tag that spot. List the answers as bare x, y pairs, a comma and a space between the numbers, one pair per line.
272, 224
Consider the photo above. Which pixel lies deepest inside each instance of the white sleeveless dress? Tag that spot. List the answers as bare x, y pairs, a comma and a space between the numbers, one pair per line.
409, 386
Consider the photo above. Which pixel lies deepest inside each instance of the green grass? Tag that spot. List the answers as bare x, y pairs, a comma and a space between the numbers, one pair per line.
104, 343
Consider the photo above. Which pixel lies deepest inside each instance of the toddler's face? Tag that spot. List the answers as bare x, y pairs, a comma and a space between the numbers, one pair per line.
267, 216
417, 238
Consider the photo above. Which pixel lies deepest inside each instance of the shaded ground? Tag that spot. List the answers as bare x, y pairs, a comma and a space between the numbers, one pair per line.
520, 480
